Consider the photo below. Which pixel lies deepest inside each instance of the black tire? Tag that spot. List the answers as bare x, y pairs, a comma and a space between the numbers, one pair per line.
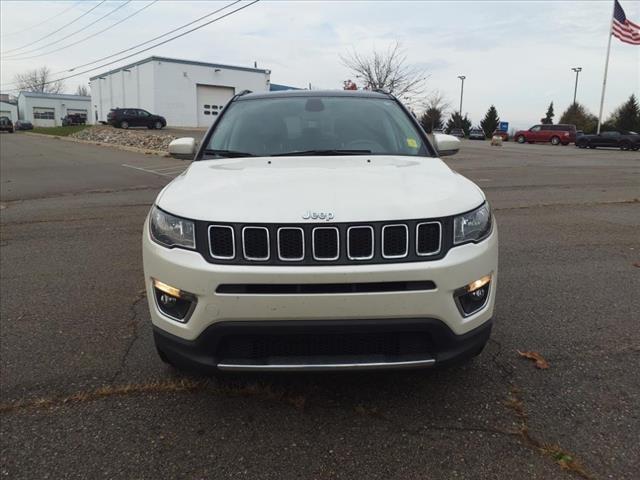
158, 125
581, 145
555, 140
520, 139
124, 124
625, 146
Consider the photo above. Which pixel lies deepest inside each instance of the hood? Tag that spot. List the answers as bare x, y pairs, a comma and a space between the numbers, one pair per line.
284, 189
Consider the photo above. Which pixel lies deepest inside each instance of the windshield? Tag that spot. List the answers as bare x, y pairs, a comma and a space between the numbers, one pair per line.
321, 125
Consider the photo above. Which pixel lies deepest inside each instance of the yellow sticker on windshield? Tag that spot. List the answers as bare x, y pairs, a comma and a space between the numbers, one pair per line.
412, 142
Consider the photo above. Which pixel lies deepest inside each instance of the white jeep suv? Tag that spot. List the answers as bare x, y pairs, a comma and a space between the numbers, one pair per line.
319, 231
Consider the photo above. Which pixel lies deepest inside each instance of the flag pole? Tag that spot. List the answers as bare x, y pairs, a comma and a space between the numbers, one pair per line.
606, 67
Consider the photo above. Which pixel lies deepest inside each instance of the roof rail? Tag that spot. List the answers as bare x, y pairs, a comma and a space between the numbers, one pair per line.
243, 92
381, 90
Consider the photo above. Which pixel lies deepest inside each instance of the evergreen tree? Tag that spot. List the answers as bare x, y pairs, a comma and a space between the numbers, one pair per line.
456, 121
490, 121
431, 119
548, 119
579, 116
626, 116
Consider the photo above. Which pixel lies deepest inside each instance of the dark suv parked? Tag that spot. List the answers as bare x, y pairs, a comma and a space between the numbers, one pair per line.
134, 117
622, 139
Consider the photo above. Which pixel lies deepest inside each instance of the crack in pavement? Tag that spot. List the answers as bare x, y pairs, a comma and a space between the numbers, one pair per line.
133, 323
8, 203
570, 204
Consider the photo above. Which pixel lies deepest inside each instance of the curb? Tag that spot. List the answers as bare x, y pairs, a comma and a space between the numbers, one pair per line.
145, 151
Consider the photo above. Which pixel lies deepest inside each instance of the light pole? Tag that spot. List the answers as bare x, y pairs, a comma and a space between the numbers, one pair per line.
461, 77
575, 90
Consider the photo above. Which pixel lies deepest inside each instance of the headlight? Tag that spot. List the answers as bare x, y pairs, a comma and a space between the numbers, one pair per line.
473, 226
171, 231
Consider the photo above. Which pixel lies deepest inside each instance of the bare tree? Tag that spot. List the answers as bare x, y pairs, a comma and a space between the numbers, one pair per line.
435, 108
387, 70
38, 80
82, 90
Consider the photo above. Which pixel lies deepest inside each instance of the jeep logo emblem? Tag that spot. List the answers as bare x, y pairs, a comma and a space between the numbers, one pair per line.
309, 215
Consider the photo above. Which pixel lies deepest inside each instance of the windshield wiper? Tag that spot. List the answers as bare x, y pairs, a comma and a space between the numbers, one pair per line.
321, 152
228, 153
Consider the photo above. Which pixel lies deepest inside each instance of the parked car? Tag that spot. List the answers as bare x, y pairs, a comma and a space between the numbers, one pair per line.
438, 130
555, 134
134, 117
476, 134
23, 125
6, 125
622, 139
457, 132
311, 270
503, 134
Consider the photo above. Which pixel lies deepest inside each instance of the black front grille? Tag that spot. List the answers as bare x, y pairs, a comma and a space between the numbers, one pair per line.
291, 243
221, 241
395, 241
360, 243
428, 238
255, 242
325, 243
256, 347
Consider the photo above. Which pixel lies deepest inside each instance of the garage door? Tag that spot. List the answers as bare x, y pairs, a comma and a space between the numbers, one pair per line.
211, 101
75, 111
44, 117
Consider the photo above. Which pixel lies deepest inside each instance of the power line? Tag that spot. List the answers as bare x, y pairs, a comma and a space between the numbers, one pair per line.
151, 40
56, 31
92, 35
151, 47
28, 29
19, 55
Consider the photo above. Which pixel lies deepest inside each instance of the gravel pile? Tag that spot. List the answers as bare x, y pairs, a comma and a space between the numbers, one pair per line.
129, 138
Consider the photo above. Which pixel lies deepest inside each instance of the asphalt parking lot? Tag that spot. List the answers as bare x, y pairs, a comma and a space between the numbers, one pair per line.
83, 394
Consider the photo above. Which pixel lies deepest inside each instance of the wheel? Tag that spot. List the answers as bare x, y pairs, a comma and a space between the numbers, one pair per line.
520, 139
625, 146
555, 141
581, 145
124, 124
158, 125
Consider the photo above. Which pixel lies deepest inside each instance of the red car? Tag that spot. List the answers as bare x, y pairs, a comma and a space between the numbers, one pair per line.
556, 134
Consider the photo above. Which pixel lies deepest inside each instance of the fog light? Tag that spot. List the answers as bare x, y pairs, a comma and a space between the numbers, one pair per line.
173, 302
474, 296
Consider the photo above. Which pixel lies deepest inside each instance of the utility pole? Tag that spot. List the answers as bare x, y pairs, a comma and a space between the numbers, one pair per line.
575, 90
461, 77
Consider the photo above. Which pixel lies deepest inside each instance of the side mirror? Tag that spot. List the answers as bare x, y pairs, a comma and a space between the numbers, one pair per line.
446, 144
183, 148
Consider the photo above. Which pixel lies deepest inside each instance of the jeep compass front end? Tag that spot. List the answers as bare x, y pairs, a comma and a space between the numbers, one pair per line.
319, 231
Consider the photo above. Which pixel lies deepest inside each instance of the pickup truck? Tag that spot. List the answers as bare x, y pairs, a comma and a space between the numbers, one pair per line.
622, 139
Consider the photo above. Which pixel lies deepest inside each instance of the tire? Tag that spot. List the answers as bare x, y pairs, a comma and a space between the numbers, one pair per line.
555, 140
625, 146
581, 145
124, 124
520, 139
158, 125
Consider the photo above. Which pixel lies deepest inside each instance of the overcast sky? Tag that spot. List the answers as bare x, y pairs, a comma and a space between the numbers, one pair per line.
516, 55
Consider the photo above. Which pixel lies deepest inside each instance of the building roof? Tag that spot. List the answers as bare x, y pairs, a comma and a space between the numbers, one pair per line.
55, 96
183, 62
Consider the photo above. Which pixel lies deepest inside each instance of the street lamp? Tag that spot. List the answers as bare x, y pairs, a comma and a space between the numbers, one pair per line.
575, 90
461, 77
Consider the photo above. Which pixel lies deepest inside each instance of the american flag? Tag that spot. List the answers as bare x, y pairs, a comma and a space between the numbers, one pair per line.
623, 28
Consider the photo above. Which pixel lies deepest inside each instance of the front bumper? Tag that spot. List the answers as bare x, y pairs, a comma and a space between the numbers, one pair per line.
211, 352
433, 312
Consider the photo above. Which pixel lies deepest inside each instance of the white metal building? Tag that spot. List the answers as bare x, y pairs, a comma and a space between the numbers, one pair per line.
9, 110
186, 93
48, 109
